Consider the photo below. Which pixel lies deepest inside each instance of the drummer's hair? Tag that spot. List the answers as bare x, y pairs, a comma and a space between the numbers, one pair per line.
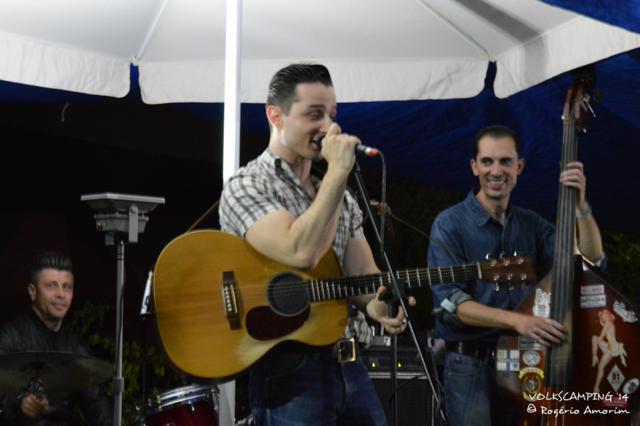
49, 259
282, 88
496, 131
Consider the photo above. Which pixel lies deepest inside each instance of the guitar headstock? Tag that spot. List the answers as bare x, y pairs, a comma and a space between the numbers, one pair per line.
512, 269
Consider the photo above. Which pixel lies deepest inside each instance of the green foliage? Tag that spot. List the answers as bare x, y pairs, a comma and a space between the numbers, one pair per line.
623, 251
90, 323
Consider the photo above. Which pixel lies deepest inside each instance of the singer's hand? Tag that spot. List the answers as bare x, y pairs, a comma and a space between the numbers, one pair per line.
379, 311
338, 149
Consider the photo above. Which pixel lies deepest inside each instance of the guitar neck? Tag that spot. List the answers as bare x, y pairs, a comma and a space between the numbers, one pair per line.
341, 288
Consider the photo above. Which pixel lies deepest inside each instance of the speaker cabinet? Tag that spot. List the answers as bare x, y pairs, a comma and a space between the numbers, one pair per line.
415, 404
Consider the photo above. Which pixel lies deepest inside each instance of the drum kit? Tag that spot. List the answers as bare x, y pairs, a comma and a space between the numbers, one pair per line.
54, 372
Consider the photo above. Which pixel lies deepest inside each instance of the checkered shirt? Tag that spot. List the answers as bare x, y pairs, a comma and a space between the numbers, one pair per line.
267, 184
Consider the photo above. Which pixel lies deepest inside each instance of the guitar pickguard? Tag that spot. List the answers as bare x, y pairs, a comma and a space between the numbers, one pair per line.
264, 324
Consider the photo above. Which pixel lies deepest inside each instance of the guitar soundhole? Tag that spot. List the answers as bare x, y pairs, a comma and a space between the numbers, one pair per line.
264, 324
288, 295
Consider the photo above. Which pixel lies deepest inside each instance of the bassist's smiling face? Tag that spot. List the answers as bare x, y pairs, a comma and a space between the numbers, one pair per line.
497, 166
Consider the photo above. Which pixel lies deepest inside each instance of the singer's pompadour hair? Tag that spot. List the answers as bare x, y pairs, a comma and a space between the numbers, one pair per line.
282, 88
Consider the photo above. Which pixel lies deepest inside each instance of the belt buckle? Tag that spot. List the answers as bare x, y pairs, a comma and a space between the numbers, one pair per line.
346, 350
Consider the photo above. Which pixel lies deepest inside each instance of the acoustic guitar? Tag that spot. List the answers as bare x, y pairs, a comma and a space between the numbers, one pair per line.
220, 305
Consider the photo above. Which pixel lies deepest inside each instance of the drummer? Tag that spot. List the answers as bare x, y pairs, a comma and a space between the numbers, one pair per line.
41, 328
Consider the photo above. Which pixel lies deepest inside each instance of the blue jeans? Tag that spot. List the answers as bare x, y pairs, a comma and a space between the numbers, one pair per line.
297, 389
471, 395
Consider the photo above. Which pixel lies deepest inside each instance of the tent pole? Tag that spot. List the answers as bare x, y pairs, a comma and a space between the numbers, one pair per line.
231, 152
232, 70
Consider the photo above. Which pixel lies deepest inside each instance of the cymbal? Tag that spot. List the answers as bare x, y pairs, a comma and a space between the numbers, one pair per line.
57, 371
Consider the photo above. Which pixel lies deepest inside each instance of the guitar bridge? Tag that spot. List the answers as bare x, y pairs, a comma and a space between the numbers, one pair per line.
230, 300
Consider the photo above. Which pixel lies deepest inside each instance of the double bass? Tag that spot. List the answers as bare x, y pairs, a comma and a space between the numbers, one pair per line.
593, 377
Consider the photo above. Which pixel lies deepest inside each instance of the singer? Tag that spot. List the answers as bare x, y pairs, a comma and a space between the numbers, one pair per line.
295, 218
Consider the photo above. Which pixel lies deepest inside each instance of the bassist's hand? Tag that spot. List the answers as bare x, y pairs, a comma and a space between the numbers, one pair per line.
573, 176
543, 330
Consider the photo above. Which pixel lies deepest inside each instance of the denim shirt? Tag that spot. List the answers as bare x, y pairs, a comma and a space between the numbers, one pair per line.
467, 233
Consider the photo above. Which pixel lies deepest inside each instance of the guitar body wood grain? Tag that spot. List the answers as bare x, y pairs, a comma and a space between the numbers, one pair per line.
195, 332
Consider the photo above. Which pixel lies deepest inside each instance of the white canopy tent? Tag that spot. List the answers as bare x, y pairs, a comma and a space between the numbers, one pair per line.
375, 49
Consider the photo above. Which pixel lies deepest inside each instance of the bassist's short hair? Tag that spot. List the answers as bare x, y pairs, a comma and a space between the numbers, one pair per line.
497, 131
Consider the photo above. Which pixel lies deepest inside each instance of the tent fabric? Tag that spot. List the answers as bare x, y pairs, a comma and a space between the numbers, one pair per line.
431, 141
424, 141
377, 49
552, 54
361, 81
30, 61
622, 13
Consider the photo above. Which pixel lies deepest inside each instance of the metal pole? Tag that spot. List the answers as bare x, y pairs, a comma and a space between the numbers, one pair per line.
232, 83
231, 150
118, 380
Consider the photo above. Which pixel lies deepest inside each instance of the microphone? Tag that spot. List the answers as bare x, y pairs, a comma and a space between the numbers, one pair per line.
360, 148
145, 309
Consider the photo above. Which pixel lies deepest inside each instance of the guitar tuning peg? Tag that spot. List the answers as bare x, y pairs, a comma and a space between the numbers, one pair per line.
501, 255
515, 253
488, 256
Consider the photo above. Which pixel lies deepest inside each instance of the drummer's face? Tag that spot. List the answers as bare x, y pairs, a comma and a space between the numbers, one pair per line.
51, 296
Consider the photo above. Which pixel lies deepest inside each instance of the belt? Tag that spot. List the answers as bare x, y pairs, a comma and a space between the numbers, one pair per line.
344, 351
483, 353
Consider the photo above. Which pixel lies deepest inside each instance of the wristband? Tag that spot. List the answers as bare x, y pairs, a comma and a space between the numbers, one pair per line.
580, 215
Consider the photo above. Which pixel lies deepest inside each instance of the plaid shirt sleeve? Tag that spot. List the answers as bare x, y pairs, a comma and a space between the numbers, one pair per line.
245, 200
356, 217
357, 326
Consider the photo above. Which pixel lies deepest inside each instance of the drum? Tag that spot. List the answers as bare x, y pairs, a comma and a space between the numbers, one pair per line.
185, 406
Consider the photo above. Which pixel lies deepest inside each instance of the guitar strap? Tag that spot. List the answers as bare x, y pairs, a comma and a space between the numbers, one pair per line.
204, 216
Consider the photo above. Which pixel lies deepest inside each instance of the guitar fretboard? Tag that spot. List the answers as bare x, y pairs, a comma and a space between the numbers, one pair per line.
340, 288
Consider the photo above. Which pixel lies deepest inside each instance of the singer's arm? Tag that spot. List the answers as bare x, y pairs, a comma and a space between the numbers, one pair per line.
302, 241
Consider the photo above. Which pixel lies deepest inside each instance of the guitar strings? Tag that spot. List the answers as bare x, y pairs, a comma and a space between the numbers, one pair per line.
563, 272
332, 288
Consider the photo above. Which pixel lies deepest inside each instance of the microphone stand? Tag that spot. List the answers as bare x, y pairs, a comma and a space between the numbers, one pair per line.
392, 307
145, 312
396, 296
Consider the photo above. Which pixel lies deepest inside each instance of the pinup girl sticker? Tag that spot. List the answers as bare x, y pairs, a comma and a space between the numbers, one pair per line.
607, 344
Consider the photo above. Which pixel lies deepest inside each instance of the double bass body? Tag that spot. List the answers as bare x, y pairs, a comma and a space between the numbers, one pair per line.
593, 377
602, 362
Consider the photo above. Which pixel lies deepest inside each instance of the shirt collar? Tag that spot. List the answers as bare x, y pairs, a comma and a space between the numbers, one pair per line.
37, 320
276, 164
477, 212
272, 162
